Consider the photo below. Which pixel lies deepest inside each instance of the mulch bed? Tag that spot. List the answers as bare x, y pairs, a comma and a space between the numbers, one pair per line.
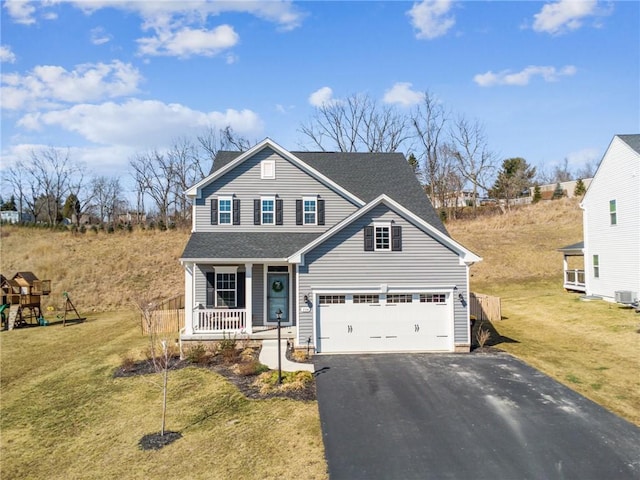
155, 441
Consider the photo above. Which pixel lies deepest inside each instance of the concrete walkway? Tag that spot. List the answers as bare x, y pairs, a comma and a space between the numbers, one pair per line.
269, 357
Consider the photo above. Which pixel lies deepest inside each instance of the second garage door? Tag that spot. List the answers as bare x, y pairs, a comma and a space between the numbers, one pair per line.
384, 323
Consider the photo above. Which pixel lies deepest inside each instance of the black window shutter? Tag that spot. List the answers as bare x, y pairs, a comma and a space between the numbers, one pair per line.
278, 211
240, 291
368, 239
236, 211
396, 238
256, 212
320, 212
214, 211
211, 290
298, 212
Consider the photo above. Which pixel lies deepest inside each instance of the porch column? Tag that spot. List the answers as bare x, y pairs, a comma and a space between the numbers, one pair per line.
248, 292
188, 298
565, 267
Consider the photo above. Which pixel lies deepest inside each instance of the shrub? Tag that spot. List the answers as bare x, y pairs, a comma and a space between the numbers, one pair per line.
252, 367
227, 348
483, 335
197, 354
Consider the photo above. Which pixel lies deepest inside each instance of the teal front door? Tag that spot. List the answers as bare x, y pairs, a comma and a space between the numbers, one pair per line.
278, 296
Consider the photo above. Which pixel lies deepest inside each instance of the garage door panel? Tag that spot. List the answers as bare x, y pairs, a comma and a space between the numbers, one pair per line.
379, 327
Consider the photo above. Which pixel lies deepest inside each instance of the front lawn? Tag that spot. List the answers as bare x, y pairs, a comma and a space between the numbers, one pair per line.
64, 415
592, 347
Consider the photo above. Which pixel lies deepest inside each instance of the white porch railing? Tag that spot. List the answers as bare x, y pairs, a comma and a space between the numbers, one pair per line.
574, 280
219, 320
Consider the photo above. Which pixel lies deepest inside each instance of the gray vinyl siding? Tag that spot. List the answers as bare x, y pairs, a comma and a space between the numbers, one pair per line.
423, 261
257, 301
200, 291
291, 183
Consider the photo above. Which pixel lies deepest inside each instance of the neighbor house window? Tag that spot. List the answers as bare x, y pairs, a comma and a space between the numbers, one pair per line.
224, 210
612, 212
268, 169
309, 205
268, 210
225, 289
383, 237
596, 266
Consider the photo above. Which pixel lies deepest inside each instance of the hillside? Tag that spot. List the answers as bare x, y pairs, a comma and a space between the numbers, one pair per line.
105, 272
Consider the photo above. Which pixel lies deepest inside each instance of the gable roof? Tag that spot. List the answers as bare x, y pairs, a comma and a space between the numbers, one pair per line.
465, 255
364, 175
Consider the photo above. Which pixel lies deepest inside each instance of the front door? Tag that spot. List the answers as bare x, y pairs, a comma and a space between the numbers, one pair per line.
278, 296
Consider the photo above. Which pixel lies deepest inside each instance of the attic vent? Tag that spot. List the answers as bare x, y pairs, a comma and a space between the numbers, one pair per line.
625, 296
268, 169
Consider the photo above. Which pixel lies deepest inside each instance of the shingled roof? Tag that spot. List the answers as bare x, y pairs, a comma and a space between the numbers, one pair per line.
632, 140
366, 175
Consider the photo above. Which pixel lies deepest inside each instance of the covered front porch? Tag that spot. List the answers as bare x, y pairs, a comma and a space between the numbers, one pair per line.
573, 267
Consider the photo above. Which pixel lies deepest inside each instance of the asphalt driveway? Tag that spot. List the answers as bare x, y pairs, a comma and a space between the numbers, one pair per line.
432, 416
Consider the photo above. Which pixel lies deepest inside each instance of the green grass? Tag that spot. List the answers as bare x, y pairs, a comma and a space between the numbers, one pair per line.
592, 347
64, 415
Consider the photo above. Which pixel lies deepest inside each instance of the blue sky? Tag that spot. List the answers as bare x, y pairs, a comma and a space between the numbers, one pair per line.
109, 79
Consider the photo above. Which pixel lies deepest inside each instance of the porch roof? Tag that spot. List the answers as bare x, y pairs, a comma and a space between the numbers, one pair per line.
574, 249
245, 245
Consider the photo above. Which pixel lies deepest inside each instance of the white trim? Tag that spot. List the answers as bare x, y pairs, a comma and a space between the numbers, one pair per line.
225, 270
268, 169
313, 199
466, 256
376, 226
196, 190
248, 296
215, 261
262, 211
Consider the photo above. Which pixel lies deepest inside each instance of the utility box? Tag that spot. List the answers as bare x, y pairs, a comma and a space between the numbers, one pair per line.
625, 297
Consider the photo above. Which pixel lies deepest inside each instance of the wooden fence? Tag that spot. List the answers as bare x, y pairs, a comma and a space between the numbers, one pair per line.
485, 307
166, 317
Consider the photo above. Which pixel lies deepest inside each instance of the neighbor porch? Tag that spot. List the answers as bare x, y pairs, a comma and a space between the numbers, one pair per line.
573, 278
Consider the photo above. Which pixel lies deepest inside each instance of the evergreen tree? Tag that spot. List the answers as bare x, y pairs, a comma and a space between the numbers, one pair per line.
580, 189
537, 194
514, 178
558, 192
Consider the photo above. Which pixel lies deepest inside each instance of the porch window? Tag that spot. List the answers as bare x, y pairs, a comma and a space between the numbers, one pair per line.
612, 212
226, 290
224, 211
596, 266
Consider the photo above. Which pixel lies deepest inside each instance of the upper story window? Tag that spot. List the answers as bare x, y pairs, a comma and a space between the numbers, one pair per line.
268, 169
613, 215
309, 205
224, 210
382, 237
596, 266
268, 210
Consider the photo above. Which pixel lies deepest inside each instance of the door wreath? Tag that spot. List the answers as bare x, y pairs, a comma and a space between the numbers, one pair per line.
277, 286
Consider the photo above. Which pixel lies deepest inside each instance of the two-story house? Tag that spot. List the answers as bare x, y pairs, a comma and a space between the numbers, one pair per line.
344, 247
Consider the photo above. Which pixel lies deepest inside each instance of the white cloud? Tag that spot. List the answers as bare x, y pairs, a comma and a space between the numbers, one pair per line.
99, 36
6, 55
321, 97
20, 11
564, 15
140, 123
583, 157
48, 84
402, 94
431, 19
506, 77
186, 42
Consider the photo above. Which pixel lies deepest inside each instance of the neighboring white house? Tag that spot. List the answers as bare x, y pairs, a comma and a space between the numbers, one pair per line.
463, 198
568, 188
611, 221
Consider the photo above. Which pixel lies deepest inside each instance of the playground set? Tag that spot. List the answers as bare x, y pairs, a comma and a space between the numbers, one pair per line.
22, 301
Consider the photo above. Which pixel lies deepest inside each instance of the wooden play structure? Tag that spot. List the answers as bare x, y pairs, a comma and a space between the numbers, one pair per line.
69, 307
21, 298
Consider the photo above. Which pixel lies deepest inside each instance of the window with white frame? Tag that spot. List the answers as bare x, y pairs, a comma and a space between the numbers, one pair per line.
226, 288
268, 210
399, 298
433, 298
309, 207
268, 169
366, 298
596, 266
382, 240
225, 205
613, 215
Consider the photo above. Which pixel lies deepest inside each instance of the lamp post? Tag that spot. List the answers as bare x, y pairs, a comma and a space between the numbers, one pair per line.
279, 319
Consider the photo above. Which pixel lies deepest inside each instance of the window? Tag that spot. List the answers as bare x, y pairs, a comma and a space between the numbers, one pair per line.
309, 207
225, 289
596, 266
382, 238
224, 210
331, 299
400, 298
268, 169
433, 298
612, 212
268, 211
366, 299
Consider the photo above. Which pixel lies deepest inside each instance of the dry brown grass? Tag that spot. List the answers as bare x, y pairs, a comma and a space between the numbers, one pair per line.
101, 272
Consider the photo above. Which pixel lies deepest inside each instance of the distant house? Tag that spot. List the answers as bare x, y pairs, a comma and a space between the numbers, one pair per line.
611, 226
344, 249
568, 188
463, 198
12, 216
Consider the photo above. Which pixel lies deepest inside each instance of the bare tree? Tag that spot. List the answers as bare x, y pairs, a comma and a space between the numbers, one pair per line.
182, 156
475, 160
429, 121
107, 195
211, 141
154, 173
356, 124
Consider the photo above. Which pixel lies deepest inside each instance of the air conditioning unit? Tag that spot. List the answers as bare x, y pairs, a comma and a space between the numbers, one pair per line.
625, 296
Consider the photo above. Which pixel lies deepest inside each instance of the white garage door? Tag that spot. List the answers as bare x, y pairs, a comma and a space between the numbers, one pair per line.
384, 323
